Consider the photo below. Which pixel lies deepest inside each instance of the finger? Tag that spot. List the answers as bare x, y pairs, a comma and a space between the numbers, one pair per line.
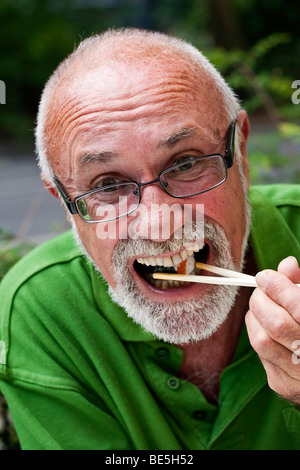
281, 290
290, 268
274, 319
282, 383
270, 351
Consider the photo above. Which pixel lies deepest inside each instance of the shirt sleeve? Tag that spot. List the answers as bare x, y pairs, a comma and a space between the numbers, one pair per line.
48, 418
51, 333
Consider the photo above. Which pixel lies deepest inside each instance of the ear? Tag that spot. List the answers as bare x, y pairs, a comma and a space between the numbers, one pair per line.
244, 126
49, 186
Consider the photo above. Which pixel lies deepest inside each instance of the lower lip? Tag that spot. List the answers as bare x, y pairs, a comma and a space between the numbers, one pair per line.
175, 293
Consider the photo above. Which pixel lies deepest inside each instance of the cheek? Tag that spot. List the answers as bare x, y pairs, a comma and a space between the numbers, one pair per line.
226, 205
100, 247
232, 201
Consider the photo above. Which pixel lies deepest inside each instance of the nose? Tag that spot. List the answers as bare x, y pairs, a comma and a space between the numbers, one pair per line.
159, 215
152, 192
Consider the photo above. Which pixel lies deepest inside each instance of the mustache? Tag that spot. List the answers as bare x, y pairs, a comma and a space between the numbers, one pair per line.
192, 232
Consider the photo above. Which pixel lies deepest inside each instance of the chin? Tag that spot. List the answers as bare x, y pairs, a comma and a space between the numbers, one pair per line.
177, 322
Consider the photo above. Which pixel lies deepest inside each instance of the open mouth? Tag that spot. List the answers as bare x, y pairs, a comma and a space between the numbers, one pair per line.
183, 262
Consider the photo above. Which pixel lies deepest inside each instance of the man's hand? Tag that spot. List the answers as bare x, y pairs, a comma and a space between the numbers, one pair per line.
273, 323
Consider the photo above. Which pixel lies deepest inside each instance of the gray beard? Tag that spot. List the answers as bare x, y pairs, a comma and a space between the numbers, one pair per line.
176, 322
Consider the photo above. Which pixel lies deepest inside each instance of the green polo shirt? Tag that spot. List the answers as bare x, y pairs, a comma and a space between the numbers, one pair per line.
79, 374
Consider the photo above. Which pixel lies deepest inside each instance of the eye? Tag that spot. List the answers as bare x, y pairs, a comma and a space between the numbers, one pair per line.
107, 181
186, 162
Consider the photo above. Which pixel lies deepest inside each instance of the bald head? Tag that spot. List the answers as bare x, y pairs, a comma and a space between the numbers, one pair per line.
120, 58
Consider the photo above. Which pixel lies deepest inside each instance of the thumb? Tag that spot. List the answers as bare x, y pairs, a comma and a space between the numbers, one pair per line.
290, 268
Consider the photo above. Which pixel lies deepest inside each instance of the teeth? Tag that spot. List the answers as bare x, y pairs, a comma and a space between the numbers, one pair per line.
163, 284
176, 259
190, 265
159, 261
171, 261
168, 263
196, 247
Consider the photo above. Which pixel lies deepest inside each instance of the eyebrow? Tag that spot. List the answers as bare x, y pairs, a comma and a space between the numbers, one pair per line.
99, 157
173, 139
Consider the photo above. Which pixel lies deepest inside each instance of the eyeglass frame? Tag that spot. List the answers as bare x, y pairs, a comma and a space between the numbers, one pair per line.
227, 157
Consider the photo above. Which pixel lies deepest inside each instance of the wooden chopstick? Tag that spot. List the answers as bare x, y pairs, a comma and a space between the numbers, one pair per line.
222, 271
233, 278
232, 281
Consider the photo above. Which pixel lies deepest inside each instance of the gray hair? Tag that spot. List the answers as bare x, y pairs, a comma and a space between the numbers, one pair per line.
126, 45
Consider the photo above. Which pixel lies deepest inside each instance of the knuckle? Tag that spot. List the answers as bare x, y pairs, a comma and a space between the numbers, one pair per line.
256, 299
277, 289
293, 306
286, 295
261, 342
280, 327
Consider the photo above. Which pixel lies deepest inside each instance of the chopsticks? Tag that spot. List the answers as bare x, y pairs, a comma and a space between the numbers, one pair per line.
230, 281
222, 271
233, 278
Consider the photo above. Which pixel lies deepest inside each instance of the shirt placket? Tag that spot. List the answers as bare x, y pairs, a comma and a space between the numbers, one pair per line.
190, 416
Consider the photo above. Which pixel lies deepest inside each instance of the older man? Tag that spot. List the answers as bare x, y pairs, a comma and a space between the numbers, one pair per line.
132, 125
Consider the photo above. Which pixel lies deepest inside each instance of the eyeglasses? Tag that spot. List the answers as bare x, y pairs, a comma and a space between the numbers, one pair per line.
190, 177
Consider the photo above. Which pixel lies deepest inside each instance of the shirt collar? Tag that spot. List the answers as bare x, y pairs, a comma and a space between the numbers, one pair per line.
271, 238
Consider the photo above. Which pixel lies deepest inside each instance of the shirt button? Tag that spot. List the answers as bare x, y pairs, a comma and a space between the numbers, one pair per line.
200, 415
162, 353
173, 383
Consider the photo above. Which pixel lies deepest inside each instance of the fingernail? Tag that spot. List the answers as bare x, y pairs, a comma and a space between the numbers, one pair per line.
262, 278
292, 258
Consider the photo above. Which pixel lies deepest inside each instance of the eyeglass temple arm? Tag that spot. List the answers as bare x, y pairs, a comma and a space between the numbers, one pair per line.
229, 150
66, 198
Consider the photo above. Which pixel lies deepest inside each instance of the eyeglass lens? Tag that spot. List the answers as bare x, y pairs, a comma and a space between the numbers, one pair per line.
194, 176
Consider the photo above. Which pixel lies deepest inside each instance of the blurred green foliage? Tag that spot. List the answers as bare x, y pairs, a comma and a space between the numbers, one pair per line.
11, 251
274, 157
258, 86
